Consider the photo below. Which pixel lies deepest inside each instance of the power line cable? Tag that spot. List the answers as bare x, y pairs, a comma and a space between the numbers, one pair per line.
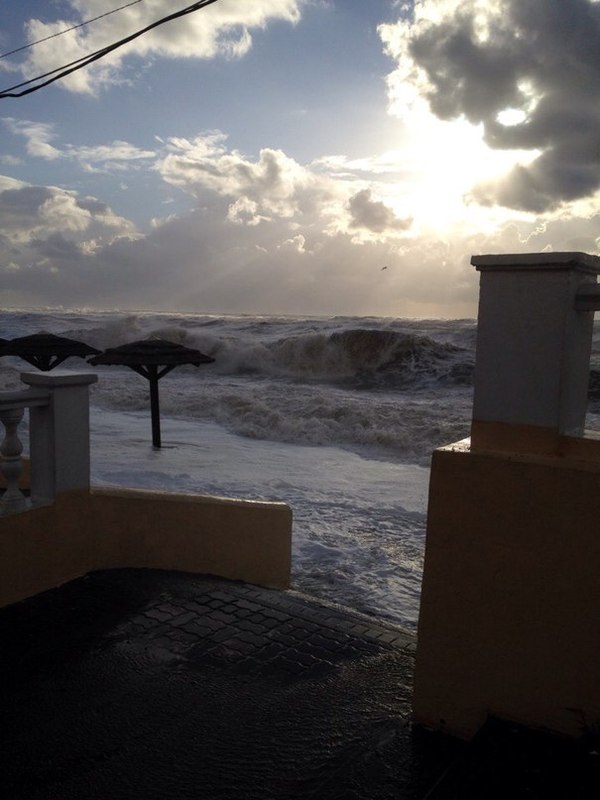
67, 30
79, 63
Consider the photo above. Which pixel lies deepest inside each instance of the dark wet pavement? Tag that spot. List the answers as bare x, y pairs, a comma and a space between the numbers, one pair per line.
148, 684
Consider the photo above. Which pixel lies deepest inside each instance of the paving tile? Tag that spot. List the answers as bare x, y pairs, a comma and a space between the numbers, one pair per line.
249, 625
138, 684
181, 619
158, 614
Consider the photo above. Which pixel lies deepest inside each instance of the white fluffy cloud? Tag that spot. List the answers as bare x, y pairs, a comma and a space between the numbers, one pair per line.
49, 240
527, 71
222, 29
274, 185
28, 212
333, 195
268, 233
58, 248
39, 137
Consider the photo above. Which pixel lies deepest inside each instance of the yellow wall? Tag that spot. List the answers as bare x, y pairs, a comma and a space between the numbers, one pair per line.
82, 532
510, 608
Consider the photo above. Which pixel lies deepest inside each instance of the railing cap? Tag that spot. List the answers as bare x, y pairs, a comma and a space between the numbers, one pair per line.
58, 378
583, 262
23, 398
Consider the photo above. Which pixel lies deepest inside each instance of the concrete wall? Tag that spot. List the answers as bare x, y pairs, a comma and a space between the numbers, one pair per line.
510, 609
105, 528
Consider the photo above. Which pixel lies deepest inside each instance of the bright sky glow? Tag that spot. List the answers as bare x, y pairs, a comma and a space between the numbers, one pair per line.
272, 157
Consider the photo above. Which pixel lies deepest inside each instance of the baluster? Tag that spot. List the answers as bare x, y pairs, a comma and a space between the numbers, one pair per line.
10, 463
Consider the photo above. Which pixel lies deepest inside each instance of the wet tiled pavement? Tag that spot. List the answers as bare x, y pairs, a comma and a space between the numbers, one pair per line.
147, 684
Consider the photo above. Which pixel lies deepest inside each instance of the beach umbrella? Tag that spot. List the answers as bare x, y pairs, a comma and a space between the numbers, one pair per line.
152, 359
45, 350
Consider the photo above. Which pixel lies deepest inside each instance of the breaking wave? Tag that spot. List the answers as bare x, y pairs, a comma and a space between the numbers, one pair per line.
376, 386
356, 357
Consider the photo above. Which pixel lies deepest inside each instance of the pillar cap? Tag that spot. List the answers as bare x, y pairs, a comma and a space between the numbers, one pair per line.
58, 378
583, 262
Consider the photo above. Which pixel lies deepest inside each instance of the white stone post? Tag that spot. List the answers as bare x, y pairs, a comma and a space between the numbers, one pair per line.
534, 340
59, 433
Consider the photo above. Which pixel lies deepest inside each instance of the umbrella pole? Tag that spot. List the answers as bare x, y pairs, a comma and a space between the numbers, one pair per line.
154, 406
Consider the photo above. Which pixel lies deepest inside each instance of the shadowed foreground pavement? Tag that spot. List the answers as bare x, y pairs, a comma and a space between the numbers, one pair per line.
147, 684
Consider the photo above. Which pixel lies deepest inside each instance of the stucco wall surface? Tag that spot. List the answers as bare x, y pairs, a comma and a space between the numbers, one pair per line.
84, 531
510, 609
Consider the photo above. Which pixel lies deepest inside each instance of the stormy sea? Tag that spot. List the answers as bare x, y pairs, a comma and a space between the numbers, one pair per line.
335, 416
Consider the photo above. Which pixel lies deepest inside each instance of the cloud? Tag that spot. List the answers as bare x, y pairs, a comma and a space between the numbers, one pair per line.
118, 156
10, 160
267, 234
39, 212
527, 71
37, 135
273, 186
391, 163
373, 215
223, 29
59, 248
245, 212
50, 241
333, 194
297, 243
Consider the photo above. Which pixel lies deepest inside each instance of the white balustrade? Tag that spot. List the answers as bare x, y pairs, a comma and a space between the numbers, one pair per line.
11, 465
58, 404
12, 409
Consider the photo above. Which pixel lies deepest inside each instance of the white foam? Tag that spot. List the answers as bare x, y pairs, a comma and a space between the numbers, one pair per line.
358, 523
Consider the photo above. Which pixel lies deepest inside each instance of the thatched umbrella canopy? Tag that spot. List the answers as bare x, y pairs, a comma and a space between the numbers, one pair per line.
45, 350
152, 359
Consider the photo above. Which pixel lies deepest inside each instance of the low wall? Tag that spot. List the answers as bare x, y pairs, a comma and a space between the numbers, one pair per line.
107, 528
510, 608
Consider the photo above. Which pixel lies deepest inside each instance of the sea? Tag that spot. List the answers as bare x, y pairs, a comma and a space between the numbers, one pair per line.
337, 417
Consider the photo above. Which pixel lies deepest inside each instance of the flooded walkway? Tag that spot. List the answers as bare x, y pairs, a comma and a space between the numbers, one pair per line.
148, 684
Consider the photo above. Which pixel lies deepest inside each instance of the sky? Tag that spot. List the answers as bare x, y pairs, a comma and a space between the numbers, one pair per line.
310, 157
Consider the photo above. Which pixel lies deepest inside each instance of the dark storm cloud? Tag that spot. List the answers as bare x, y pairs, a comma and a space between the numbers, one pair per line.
92, 205
21, 204
541, 57
373, 215
56, 247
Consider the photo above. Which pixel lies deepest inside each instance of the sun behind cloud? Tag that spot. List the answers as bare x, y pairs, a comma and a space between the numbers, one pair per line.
526, 74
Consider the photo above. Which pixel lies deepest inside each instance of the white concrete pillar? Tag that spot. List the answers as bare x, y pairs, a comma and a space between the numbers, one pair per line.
533, 342
513, 553
60, 433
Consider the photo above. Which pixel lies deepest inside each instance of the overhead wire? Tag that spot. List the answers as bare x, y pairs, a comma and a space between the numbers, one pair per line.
67, 30
79, 63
